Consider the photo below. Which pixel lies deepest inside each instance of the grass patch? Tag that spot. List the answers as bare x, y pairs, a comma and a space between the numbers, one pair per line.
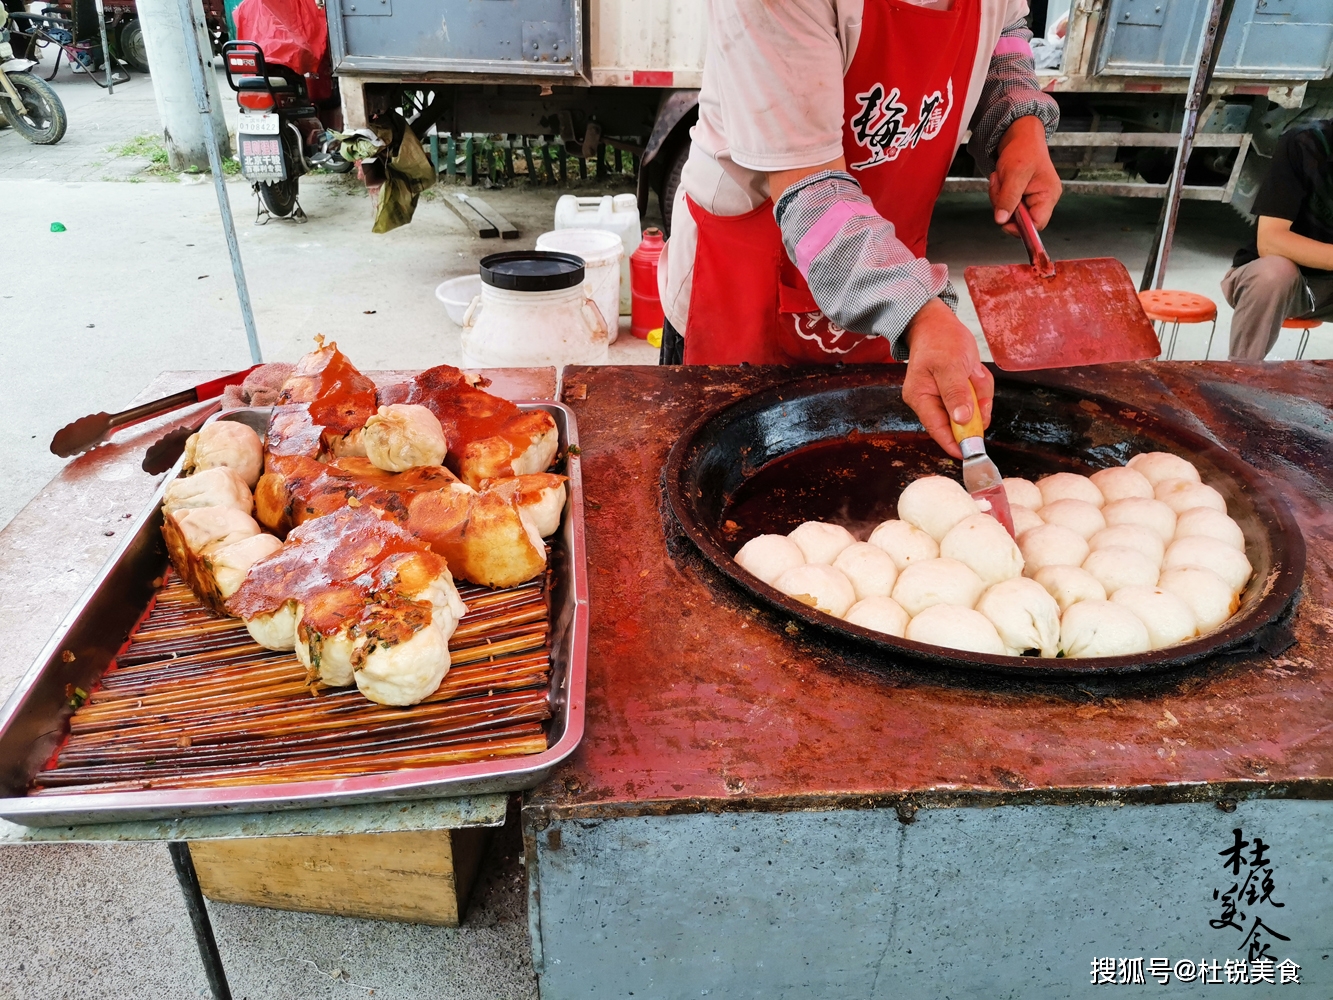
148, 147
151, 148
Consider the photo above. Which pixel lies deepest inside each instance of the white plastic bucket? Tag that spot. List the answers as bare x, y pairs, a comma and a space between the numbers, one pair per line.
511, 329
617, 214
601, 252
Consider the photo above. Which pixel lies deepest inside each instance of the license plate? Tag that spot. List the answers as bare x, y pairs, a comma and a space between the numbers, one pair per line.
265, 124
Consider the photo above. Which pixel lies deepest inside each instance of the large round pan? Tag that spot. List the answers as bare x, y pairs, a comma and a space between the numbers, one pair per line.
841, 447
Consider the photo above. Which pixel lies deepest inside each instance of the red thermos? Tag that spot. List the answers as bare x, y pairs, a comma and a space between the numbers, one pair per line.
646, 307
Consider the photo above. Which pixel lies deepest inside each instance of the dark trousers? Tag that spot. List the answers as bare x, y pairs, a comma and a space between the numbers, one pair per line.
673, 346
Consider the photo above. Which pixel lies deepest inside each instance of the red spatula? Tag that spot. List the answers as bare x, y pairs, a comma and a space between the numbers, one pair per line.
1059, 314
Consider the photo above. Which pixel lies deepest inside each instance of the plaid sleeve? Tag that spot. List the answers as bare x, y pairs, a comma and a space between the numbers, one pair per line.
1010, 92
860, 274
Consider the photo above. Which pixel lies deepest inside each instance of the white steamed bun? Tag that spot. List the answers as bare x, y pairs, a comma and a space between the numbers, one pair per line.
1024, 518
1116, 567
1140, 510
1069, 486
230, 563
1023, 492
228, 443
821, 542
404, 436
905, 543
1184, 494
215, 487
1069, 585
879, 614
1102, 628
955, 628
1156, 466
822, 587
935, 504
769, 556
1024, 614
275, 630
870, 569
1078, 516
1167, 618
1208, 553
939, 581
1130, 536
407, 672
981, 543
1205, 593
1120, 481
1051, 545
1213, 524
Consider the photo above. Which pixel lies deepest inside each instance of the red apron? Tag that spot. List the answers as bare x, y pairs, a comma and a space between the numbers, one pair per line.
903, 98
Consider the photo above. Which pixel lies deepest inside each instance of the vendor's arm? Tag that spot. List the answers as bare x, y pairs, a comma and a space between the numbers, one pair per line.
1275, 239
1009, 129
866, 280
862, 277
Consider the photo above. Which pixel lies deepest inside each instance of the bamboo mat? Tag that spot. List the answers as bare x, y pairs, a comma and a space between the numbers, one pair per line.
193, 702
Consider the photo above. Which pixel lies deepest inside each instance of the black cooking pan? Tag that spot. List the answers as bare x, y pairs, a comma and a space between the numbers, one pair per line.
841, 448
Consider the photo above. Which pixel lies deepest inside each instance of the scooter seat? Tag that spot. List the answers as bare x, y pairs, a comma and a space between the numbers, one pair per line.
274, 83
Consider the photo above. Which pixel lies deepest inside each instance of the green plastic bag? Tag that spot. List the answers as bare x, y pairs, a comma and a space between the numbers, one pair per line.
408, 173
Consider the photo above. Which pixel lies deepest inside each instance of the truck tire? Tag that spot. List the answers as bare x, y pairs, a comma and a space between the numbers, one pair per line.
672, 182
132, 48
44, 123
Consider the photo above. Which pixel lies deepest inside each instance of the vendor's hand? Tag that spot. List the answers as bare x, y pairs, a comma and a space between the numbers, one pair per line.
1023, 170
943, 358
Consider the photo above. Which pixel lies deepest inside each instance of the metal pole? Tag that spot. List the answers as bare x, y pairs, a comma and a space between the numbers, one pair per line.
1210, 45
203, 929
195, 60
106, 49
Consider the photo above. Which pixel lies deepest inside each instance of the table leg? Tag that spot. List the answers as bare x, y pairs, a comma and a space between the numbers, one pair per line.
203, 930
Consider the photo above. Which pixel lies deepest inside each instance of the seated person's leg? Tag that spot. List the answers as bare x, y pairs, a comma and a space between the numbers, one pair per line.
1263, 293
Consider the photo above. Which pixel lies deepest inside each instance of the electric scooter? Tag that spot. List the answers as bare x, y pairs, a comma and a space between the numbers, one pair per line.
279, 133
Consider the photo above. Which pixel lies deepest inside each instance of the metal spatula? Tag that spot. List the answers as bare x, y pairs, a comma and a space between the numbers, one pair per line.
1059, 314
981, 477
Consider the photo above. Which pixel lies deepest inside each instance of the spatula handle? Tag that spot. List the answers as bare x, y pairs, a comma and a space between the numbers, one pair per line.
974, 427
1041, 260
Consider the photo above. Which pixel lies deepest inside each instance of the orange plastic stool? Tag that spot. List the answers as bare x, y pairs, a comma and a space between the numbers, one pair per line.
1168, 305
1305, 326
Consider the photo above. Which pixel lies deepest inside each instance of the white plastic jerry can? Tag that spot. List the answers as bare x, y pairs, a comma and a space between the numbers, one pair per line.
617, 214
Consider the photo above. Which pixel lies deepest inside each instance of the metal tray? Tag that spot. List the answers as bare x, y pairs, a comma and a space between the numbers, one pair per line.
1035, 431
35, 718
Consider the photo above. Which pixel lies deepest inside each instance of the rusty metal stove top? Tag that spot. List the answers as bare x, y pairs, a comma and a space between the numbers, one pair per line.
699, 699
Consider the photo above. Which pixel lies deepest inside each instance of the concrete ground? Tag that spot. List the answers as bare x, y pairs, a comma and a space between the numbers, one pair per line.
140, 282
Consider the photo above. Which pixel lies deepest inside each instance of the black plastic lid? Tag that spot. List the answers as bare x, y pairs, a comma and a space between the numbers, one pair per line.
532, 270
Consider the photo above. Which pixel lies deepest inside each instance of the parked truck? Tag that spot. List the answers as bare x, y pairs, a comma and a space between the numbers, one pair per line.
627, 72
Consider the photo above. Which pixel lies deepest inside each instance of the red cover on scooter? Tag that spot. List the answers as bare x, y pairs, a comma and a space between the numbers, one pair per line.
291, 33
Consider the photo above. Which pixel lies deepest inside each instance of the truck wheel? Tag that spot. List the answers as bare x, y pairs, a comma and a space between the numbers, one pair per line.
280, 197
44, 122
672, 183
132, 48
